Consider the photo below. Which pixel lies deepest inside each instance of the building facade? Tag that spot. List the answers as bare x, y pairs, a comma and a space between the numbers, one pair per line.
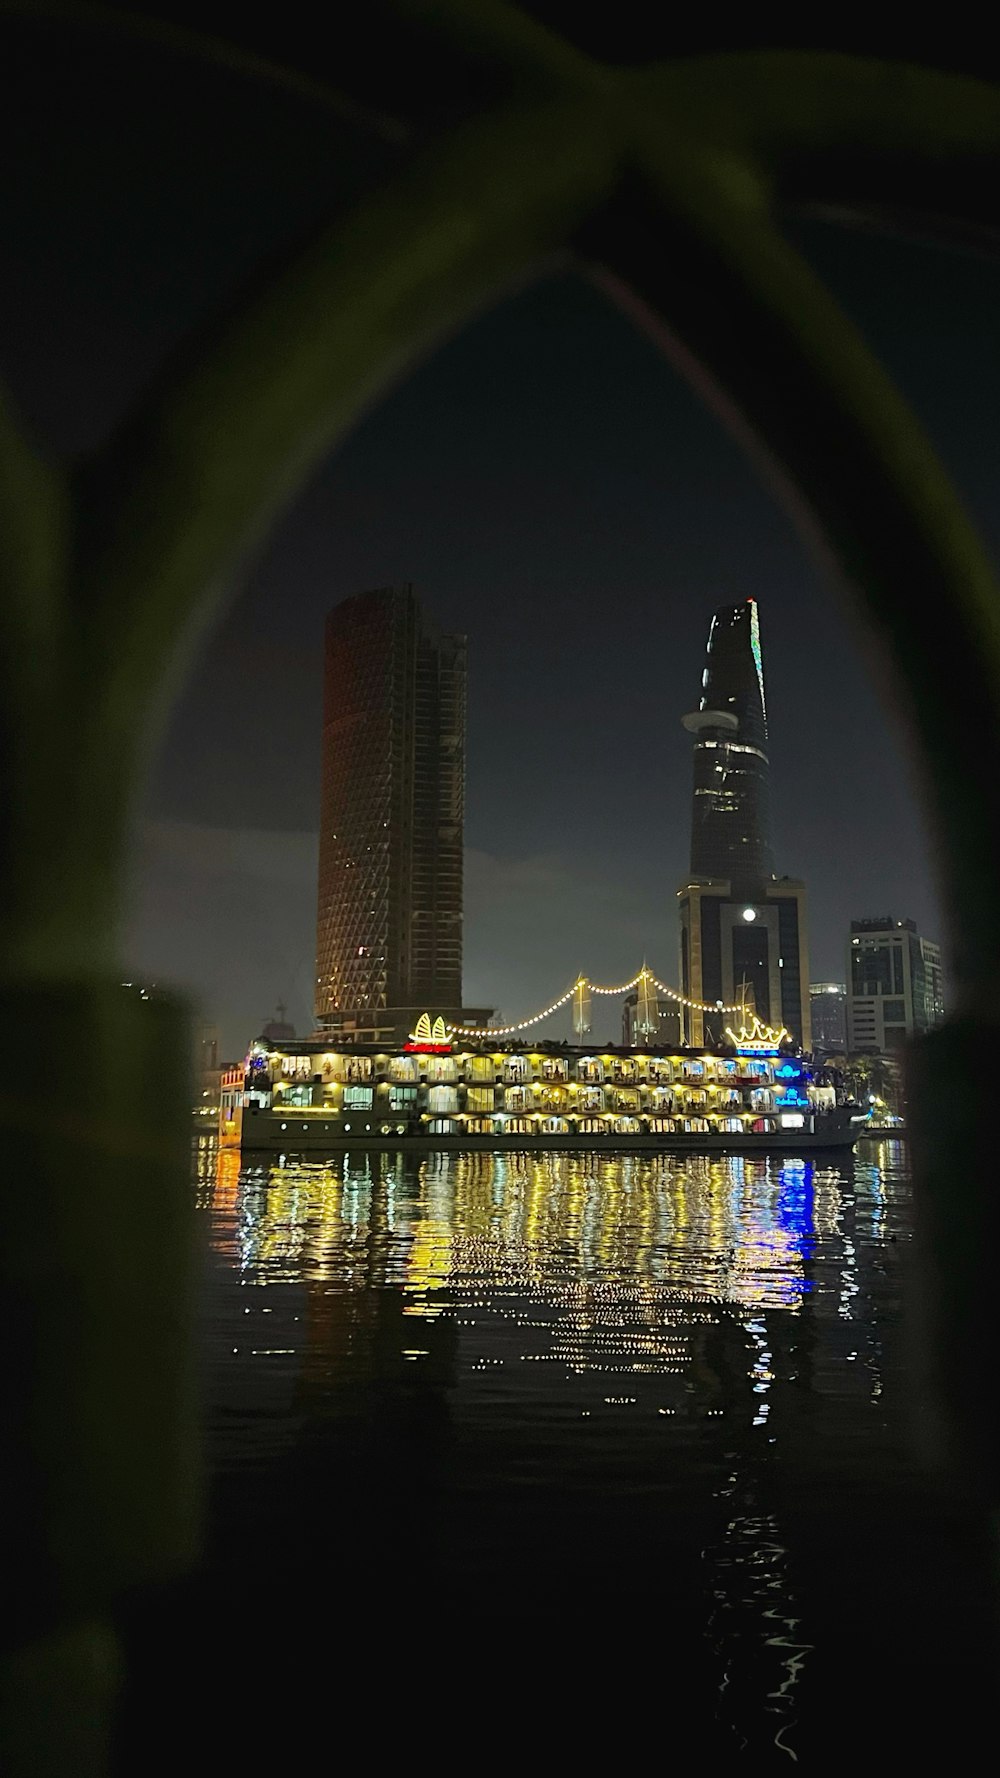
828, 1007
742, 929
648, 1019
389, 925
895, 987
757, 937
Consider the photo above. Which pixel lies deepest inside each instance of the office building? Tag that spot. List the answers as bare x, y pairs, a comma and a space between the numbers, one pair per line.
742, 929
648, 1019
828, 1009
894, 984
278, 1029
731, 804
389, 928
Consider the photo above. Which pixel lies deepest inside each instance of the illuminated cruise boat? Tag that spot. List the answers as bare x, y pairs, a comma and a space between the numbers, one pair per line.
442, 1091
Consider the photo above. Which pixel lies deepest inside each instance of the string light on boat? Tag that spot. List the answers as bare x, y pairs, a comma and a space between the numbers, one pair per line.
696, 1005
508, 1030
585, 982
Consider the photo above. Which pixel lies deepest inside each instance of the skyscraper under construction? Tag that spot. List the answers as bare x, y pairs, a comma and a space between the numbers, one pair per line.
389, 928
740, 924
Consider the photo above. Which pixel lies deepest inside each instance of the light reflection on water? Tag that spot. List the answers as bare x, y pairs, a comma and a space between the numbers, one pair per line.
647, 1343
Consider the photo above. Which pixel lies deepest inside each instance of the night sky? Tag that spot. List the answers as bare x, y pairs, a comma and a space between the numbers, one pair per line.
547, 483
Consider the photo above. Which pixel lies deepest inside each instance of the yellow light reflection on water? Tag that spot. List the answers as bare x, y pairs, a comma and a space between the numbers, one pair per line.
613, 1245
657, 1302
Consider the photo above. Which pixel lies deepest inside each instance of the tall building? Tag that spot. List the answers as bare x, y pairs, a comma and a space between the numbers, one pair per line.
207, 1070
731, 806
894, 984
828, 1008
389, 928
206, 1047
740, 924
646, 1019
278, 1030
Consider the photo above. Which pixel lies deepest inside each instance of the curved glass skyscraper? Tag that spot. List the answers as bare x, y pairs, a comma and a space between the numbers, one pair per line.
731, 808
743, 929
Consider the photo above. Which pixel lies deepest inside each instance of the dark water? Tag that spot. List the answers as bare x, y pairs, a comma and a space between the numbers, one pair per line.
544, 1457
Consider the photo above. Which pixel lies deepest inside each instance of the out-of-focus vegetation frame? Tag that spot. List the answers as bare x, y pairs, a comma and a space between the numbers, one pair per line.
666, 185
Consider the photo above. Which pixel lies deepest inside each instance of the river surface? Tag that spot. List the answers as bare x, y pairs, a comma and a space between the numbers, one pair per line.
548, 1457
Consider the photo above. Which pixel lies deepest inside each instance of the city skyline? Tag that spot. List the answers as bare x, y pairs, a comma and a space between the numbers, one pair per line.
382, 659
553, 489
543, 885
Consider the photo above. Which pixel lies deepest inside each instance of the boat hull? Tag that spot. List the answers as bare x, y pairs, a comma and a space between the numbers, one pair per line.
791, 1142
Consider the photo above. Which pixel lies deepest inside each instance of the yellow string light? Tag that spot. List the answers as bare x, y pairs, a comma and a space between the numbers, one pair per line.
508, 1030
584, 982
697, 1005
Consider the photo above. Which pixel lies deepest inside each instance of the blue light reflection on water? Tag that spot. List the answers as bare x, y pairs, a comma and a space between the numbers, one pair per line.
637, 1345
795, 1208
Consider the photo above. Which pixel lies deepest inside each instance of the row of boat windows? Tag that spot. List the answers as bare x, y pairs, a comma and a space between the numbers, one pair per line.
523, 1126
510, 1070
560, 1126
537, 1098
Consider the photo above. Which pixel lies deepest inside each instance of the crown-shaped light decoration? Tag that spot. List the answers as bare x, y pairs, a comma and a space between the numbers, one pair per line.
754, 1037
